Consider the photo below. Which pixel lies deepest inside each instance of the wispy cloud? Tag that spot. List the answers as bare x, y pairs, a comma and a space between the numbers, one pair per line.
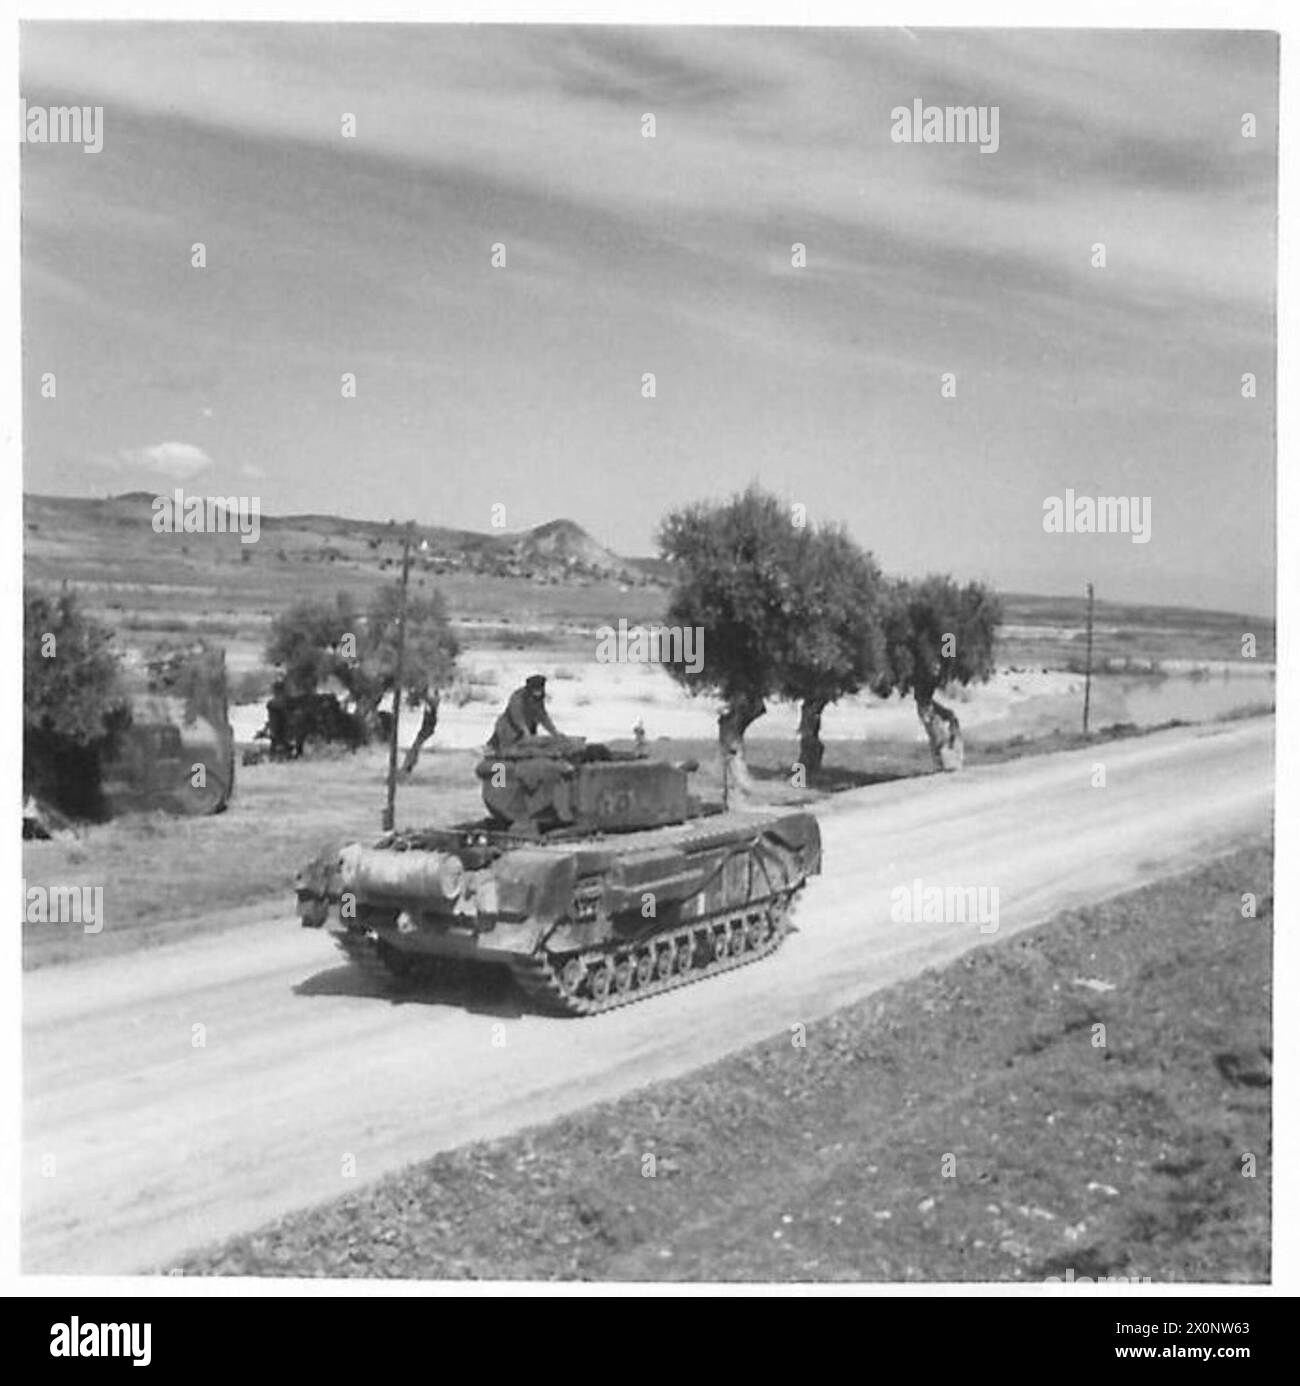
180, 461
371, 255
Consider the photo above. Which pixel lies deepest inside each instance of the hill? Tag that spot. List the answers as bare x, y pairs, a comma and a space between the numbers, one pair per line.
108, 532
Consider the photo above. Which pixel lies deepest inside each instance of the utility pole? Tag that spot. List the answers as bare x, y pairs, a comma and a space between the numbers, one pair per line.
391, 808
1087, 671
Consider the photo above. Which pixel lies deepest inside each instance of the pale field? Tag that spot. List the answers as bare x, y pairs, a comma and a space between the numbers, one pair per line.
605, 702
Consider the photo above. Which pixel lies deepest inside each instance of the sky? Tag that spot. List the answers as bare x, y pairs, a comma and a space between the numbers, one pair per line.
523, 385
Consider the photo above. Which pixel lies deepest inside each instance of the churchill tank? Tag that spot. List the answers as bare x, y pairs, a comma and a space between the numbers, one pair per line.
596, 877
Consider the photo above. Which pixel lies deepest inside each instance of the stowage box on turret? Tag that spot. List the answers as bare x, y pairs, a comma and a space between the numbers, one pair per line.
596, 879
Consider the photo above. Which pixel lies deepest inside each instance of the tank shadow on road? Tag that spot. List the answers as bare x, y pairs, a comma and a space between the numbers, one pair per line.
481, 990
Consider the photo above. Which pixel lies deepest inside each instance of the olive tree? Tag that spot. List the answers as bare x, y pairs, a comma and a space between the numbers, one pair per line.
314, 640
936, 633
785, 610
733, 568
835, 646
429, 653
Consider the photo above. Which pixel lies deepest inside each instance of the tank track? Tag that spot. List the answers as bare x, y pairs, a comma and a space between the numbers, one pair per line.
573, 985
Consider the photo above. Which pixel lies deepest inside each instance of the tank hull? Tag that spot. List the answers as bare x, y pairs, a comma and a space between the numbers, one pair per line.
585, 922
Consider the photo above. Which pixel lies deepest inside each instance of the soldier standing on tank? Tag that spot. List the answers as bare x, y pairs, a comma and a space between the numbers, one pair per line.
524, 713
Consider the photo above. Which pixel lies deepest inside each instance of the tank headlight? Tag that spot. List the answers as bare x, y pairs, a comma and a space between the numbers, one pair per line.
451, 877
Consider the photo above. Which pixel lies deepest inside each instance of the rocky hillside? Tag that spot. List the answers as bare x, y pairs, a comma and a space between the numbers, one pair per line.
66, 528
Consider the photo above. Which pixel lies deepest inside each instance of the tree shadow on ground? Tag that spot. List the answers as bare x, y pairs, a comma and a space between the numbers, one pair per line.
834, 779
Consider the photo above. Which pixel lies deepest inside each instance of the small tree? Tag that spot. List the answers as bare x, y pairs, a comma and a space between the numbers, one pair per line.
734, 567
195, 674
429, 653
936, 633
836, 644
73, 700
308, 641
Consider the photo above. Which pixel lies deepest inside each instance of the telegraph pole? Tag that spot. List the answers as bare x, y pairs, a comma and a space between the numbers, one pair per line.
391, 808
1087, 673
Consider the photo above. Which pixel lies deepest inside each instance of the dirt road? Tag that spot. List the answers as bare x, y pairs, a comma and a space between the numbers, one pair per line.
198, 1089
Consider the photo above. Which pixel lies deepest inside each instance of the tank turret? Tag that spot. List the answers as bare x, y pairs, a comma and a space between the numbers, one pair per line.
570, 783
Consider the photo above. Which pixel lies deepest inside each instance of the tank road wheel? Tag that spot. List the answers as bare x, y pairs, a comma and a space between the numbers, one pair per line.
721, 942
645, 968
571, 976
623, 975
684, 956
664, 963
736, 939
756, 931
599, 984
